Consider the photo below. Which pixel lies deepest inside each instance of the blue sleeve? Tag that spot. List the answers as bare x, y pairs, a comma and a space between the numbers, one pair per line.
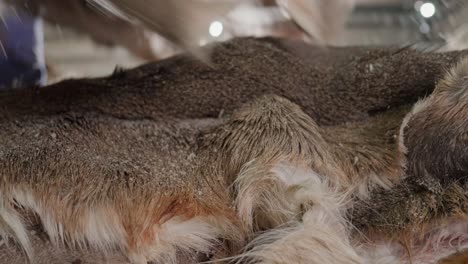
21, 51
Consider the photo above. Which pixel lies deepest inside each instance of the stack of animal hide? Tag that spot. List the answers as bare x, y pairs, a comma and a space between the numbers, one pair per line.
276, 152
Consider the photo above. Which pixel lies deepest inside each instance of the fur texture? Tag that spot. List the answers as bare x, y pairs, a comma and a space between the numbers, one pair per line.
294, 182
426, 227
318, 231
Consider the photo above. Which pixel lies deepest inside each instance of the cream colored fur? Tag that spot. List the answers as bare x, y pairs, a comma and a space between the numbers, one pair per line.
418, 107
101, 226
320, 235
12, 226
318, 232
262, 196
437, 243
193, 235
362, 186
102, 229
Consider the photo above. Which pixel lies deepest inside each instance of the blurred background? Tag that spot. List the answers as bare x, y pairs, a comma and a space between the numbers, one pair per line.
50, 40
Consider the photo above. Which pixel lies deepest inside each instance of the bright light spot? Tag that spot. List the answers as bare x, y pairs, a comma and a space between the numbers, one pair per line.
427, 10
216, 29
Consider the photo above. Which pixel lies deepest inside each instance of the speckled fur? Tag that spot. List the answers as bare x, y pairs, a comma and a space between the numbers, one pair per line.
76, 173
433, 193
138, 162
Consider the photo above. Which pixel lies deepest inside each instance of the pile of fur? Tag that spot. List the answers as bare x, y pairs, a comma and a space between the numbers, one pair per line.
278, 152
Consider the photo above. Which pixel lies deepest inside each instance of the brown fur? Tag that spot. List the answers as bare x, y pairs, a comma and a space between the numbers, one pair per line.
436, 149
334, 88
433, 191
367, 150
258, 137
458, 258
67, 157
126, 145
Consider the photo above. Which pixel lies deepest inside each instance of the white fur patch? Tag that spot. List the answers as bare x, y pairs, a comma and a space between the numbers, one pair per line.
418, 107
260, 191
270, 196
198, 234
26, 199
292, 175
322, 234
102, 229
11, 225
362, 186
319, 239
101, 226
319, 236
309, 187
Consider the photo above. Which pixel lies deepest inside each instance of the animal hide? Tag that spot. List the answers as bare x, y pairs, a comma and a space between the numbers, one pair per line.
276, 152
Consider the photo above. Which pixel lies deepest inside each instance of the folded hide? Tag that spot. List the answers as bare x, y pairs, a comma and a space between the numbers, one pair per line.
277, 152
